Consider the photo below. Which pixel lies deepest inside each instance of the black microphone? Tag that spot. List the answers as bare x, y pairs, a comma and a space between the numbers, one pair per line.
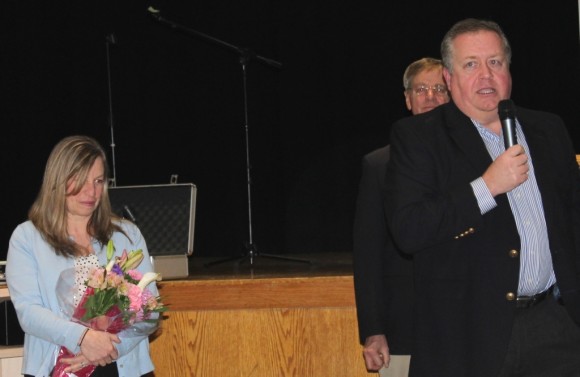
127, 213
507, 115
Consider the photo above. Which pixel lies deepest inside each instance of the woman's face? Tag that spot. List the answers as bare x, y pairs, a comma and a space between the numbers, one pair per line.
87, 200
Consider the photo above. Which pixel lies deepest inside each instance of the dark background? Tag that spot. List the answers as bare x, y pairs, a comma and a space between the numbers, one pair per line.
177, 99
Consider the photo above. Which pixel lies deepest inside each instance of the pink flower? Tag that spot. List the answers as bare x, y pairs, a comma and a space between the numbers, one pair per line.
134, 295
123, 288
135, 274
97, 279
150, 302
114, 280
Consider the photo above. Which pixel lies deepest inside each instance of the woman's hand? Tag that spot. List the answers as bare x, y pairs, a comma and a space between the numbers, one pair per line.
99, 347
76, 363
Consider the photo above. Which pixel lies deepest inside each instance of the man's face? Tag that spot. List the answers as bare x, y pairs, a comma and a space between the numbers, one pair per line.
425, 93
480, 77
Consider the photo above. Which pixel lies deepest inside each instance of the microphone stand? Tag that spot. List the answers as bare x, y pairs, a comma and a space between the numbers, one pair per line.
110, 40
245, 56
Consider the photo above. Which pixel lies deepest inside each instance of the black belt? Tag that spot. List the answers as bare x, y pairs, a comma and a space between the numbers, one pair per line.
524, 302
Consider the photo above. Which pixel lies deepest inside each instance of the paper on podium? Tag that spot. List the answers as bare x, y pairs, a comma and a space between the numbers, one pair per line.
398, 367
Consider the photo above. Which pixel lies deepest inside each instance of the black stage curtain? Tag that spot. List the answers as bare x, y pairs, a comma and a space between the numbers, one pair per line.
178, 106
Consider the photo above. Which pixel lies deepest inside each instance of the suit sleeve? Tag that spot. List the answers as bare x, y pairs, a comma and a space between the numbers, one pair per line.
428, 196
369, 237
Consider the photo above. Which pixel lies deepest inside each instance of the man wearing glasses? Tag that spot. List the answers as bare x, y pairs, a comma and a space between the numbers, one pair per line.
382, 274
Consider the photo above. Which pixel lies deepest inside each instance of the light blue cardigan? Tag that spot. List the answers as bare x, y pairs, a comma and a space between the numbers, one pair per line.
32, 273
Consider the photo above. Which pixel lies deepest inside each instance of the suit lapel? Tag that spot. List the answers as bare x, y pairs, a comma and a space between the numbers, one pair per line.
538, 141
466, 138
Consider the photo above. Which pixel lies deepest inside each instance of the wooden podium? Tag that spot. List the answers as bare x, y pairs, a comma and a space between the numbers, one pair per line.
277, 320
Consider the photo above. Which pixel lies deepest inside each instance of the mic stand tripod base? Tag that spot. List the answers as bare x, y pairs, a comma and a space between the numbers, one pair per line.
252, 254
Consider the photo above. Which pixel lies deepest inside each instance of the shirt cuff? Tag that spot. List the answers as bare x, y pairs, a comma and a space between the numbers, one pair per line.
485, 200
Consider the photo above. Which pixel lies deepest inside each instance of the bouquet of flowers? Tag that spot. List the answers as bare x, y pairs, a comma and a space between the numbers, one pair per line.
116, 300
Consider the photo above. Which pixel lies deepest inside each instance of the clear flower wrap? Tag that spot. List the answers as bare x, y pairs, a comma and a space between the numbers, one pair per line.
116, 300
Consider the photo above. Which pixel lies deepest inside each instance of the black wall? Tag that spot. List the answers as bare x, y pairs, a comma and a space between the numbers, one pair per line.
178, 106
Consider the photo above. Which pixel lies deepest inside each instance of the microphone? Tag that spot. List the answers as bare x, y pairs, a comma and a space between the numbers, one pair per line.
111, 39
154, 13
507, 115
127, 213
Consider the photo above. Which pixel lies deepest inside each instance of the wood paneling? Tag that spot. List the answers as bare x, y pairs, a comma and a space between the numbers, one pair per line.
267, 327
287, 292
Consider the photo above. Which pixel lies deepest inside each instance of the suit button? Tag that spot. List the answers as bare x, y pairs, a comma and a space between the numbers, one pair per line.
471, 231
514, 253
510, 296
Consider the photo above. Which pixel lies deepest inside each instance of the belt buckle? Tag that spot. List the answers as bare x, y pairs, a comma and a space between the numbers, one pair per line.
525, 301
529, 301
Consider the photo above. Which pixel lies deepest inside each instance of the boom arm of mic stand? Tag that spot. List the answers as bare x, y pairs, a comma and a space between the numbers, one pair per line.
245, 53
245, 56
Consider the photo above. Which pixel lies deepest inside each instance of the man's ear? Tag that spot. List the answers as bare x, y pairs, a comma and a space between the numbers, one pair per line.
408, 100
447, 77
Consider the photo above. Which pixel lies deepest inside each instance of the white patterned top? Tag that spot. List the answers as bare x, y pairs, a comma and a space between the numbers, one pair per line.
83, 267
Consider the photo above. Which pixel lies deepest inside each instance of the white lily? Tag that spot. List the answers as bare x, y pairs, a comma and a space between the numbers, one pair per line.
133, 259
147, 278
110, 265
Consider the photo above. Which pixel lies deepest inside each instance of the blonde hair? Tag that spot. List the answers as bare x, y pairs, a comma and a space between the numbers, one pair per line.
70, 161
424, 64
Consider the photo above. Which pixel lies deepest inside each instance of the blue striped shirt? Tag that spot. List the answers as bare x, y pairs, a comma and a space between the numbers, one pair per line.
536, 271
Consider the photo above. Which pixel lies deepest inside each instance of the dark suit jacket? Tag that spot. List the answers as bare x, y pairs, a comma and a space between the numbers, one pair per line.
463, 268
382, 274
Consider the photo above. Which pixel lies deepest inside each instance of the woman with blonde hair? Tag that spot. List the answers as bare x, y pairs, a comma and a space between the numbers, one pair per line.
70, 224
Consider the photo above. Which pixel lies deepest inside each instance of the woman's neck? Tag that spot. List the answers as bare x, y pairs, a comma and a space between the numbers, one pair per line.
77, 230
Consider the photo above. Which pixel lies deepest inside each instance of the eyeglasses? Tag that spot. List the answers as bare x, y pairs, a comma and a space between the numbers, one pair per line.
422, 90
